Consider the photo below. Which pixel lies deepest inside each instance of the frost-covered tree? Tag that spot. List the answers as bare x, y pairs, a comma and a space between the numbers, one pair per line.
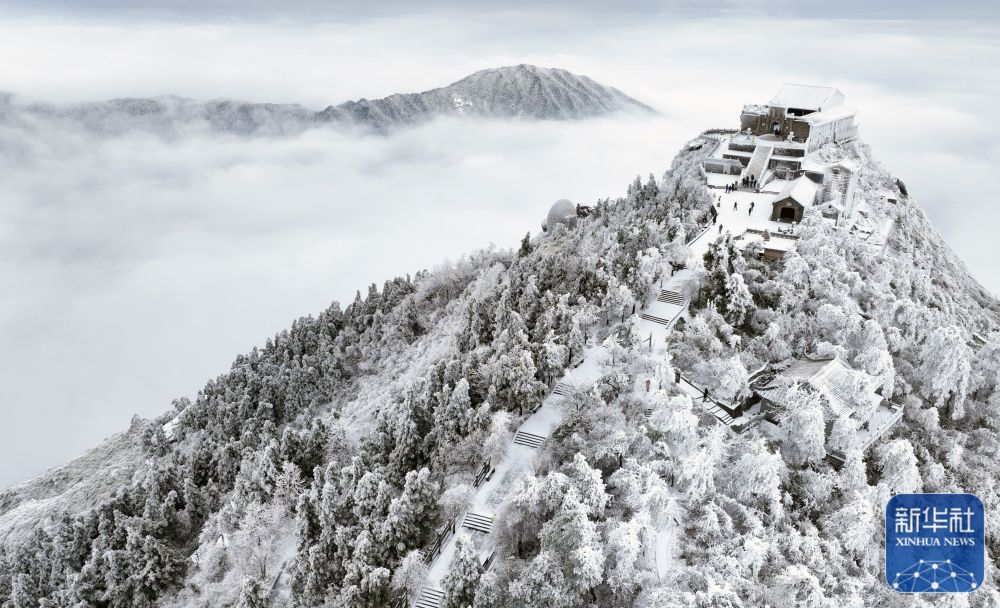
853, 475
573, 539
411, 517
756, 477
738, 302
460, 584
946, 369
625, 549
410, 575
843, 434
514, 383
542, 584
733, 380
854, 524
797, 587
871, 354
805, 426
697, 469
898, 464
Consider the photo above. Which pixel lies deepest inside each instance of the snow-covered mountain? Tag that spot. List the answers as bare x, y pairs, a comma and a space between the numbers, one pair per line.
621, 411
522, 91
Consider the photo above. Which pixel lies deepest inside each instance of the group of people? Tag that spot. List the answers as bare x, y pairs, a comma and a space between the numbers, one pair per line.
748, 181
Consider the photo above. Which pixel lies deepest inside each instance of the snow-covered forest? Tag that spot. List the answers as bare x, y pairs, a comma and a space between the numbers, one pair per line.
322, 468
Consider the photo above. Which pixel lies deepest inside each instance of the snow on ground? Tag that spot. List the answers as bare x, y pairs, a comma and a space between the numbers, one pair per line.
665, 549
735, 216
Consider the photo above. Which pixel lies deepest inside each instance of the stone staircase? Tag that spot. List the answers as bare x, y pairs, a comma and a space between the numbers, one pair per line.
758, 161
671, 297
430, 598
478, 522
529, 440
562, 389
655, 319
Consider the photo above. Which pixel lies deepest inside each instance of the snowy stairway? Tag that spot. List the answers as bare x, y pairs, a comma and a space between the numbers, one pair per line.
671, 297
562, 388
654, 319
759, 161
528, 439
718, 412
430, 598
478, 522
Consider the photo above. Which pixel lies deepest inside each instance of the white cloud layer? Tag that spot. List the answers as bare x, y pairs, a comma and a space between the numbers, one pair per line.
134, 268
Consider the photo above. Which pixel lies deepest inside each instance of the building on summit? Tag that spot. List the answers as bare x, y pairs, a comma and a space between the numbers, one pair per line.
788, 156
791, 202
804, 114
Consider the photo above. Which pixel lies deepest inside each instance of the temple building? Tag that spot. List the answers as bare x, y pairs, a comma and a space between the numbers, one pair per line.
794, 197
800, 113
841, 391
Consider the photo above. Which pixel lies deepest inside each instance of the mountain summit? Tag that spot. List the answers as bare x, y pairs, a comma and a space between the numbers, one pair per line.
521, 91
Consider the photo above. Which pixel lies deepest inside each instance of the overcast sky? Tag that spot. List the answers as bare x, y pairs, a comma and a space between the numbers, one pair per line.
133, 268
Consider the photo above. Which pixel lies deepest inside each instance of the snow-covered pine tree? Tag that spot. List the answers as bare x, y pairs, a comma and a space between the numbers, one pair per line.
460, 584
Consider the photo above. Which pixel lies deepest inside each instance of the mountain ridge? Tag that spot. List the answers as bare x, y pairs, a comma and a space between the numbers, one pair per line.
511, 92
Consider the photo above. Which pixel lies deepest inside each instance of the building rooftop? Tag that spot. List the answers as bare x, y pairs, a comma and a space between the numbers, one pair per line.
828, 115
807, 97
840, 386
802, 190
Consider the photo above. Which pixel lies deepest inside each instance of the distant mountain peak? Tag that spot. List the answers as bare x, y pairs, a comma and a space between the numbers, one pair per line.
520, 91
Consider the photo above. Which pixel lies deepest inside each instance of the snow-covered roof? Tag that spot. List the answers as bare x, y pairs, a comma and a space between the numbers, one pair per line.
802, 190
832, 378
754, 108
807, 97
773, 243
829, 114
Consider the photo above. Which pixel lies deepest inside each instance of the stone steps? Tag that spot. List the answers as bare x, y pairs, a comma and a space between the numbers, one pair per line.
758, 161
672, 297
654, 319
430, 598
478, 522
530, 440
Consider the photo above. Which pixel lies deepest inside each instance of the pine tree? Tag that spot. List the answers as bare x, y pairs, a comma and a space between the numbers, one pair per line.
409, 577
411, 517
542, 584
460, 584
805, 426
525, 248
946, 369
757, 476
898, 463
573, 539
736, 303
252, 594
